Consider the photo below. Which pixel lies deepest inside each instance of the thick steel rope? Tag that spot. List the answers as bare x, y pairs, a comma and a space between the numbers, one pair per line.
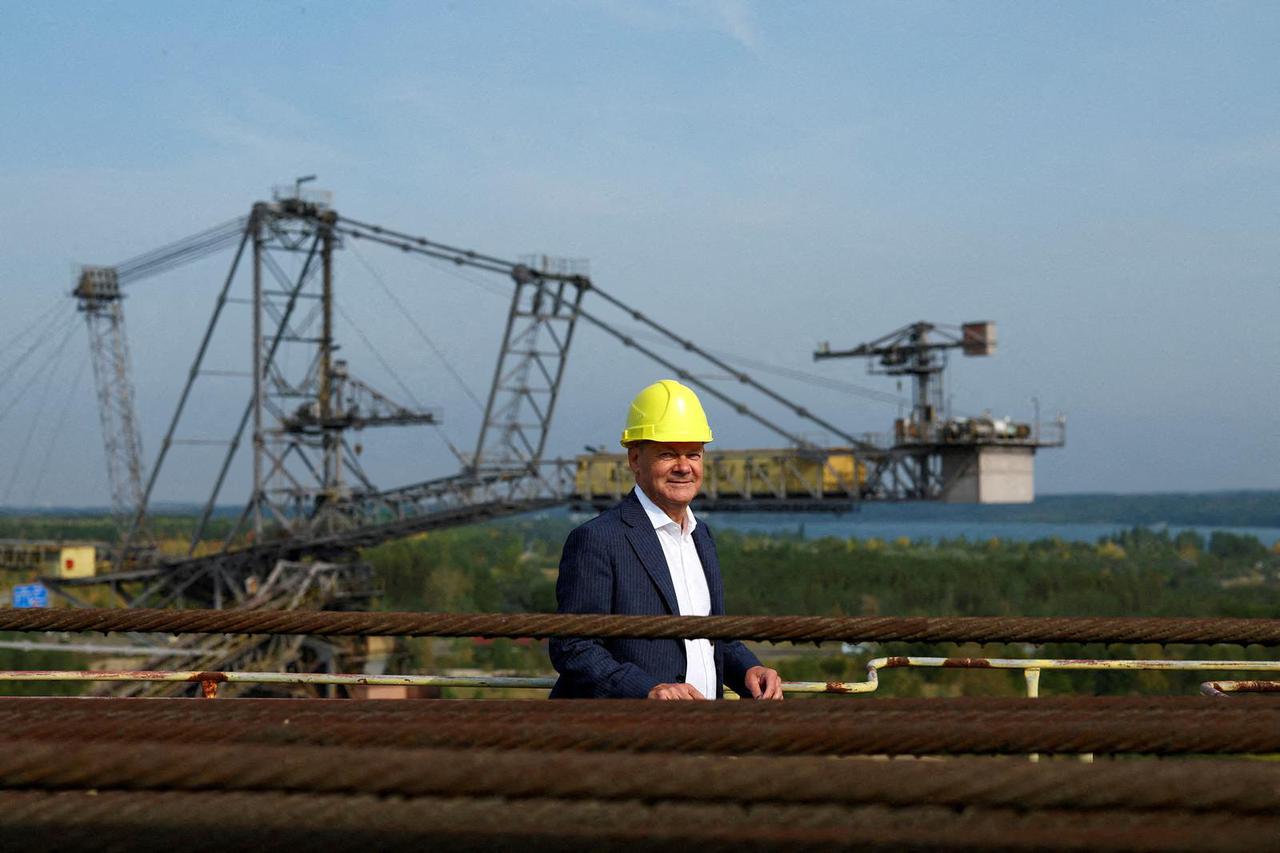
960, 708
728, 733
1227, 787
244, 719
981, 629
221, 822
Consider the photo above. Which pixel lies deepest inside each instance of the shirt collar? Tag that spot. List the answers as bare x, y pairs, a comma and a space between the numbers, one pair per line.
658, 518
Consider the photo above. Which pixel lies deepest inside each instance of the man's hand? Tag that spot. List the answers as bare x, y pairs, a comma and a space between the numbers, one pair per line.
764, 683
676, 691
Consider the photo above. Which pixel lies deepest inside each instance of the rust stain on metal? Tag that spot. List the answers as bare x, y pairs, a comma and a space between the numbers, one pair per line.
966, 663
1255, 686
896, 661
40, 672
139, 675
215, 677
836, 687
209, 682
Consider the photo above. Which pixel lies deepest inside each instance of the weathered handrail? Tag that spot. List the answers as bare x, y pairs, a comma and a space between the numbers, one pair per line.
1032, 667
1225, 688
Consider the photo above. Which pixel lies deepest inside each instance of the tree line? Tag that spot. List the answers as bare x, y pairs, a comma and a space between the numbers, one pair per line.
510, 566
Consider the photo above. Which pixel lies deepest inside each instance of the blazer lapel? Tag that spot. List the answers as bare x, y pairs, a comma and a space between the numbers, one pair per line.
644, 539
710, 567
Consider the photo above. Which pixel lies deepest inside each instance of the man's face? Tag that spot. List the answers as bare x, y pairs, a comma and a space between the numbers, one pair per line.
669, 473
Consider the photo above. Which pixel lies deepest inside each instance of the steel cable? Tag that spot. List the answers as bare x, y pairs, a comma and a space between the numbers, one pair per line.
964, 707
59, 326
779, 370
342, 722
457, 454
1224, 786
728, 732
982, 629
35, 327
56, 433
70, 713
49, 372
180, 252
408, 316
251, 821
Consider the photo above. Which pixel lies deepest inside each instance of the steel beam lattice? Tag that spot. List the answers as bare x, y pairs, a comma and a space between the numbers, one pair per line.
310, 498
99, 298
531, 362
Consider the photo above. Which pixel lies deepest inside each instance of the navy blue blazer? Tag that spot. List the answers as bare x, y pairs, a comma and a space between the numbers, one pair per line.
614, 564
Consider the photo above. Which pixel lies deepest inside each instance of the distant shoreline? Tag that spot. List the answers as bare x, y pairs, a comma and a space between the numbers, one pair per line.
939, 532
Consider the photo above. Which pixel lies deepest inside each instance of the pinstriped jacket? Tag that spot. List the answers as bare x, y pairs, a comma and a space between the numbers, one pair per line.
614, 564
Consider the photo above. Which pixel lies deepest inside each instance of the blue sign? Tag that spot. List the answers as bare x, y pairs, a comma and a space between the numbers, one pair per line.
30, 595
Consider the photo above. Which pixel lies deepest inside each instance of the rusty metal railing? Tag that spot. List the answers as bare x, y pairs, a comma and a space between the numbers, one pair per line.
1224, 688
210, 680
1032, 667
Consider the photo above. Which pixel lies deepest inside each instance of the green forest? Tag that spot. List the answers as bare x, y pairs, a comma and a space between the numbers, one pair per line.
511, 566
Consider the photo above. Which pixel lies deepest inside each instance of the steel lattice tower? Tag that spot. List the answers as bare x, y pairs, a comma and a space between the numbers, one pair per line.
98, 294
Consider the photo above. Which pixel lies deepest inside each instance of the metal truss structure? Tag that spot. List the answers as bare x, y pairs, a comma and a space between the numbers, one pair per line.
312, 506
98, 297
912, 467
288, 585
526, 380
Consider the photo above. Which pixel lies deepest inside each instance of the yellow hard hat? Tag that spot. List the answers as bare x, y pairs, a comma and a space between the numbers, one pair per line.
666, 411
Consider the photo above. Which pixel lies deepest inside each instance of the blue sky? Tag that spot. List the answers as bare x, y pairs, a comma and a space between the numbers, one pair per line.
1099, 178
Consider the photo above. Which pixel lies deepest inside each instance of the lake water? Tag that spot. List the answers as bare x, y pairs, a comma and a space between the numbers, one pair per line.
845, 527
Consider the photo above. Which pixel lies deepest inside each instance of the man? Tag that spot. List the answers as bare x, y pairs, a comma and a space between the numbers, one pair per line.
648, 556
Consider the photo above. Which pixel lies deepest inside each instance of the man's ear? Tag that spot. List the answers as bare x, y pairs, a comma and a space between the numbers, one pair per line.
633, 457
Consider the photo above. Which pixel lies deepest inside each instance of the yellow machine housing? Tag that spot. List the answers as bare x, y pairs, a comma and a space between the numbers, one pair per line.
779, 473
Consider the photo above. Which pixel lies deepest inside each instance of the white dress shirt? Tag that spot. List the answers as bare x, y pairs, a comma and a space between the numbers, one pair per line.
692, 595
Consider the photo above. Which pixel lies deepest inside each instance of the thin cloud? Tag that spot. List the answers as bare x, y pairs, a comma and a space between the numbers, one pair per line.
736, 20
268, 128
732, 18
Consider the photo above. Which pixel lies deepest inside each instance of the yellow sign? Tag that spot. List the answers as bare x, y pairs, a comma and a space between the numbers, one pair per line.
76, 562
